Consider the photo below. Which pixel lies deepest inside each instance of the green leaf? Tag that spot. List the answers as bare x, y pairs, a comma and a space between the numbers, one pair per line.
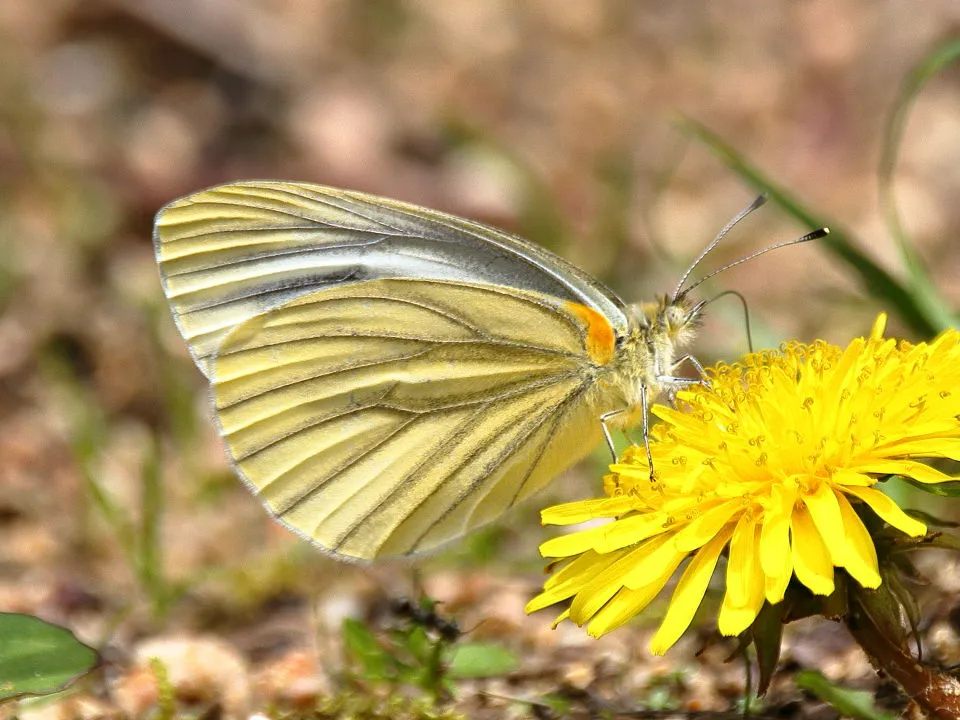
857, 704
364, 649
930, 519
876, 281
416, 642
767, 632
37, 658
944, 489
899, 591
883, 608
933, 304
479, 660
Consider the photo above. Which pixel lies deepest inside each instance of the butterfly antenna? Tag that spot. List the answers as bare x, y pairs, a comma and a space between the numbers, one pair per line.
758, 202
746, 312
815, 235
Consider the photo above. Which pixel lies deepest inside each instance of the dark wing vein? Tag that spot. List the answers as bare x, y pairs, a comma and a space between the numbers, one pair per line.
326, 200
317, 376
429, 459
311, 491
556, 410
352, 209
544, 444
416, 338
267, 254
434, 344
298, 281
517, 444
246, 204
515, 392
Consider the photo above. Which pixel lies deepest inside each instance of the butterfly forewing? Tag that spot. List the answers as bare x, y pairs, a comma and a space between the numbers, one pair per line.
236, 251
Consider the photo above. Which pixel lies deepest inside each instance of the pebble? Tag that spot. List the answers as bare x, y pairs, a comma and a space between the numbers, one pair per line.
202, 671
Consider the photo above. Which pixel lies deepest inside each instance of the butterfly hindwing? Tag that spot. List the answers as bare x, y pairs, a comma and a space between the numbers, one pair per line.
389, 416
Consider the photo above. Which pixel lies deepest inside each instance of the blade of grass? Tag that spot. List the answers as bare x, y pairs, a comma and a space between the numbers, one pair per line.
876, 281
849, 703
152, 505
925, 291
140, 542
87, 441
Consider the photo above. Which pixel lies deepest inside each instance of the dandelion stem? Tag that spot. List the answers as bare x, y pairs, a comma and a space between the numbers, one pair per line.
937, 693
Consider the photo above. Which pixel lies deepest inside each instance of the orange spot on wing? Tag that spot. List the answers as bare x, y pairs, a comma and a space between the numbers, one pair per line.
600, 340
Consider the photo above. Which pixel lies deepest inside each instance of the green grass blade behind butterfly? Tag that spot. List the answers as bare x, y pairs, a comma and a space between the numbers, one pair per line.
934, 305
877, 282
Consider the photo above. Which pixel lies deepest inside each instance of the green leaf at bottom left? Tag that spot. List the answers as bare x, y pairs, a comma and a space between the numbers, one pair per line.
38, 658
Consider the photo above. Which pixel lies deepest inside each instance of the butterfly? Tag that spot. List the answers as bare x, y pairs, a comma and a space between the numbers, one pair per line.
387, 377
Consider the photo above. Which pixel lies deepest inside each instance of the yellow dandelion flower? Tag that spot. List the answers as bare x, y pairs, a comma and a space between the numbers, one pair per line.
771, 462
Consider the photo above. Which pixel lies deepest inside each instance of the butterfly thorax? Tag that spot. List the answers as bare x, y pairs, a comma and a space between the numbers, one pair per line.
658, 332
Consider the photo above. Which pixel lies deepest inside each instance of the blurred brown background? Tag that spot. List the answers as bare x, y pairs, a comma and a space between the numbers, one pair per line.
555, 119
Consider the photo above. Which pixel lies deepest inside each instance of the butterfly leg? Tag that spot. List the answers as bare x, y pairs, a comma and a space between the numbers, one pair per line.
645, 426
689, 381
606, 430
672, 383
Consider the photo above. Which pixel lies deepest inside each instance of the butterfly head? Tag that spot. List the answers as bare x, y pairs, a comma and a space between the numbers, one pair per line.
668, 321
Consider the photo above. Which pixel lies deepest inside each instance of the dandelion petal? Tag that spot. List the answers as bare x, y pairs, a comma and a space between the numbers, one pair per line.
584, 510
888, 510
825, 513
705, 527
628, 602
605, 584
860, 554
775, 532
742, 563
811, 559
910, 468
688, 595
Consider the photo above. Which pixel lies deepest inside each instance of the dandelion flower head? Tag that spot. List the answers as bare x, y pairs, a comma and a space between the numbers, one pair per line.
770, 463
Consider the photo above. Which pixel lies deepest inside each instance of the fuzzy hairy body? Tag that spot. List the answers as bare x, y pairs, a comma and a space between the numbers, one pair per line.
643, 364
